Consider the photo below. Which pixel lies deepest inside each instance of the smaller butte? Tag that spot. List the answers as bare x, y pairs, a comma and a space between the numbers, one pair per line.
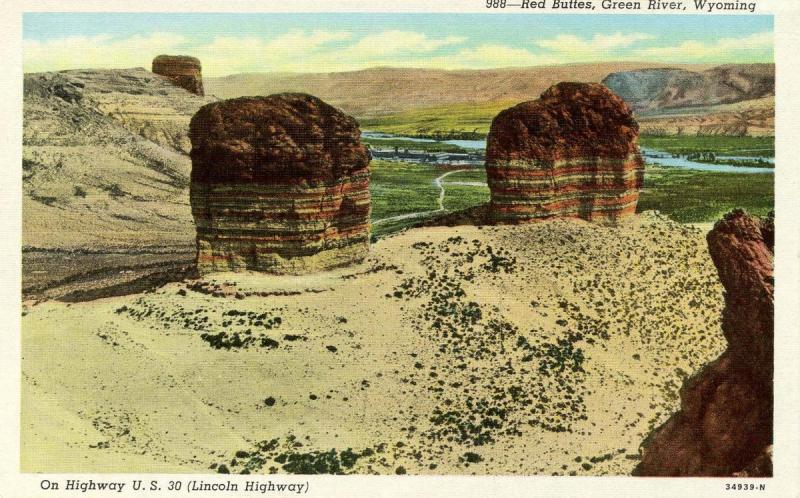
184, 71
279, 184
571, 154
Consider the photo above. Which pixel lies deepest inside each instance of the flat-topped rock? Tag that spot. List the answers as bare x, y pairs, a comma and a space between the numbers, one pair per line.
571, 153
279, 184
183, 70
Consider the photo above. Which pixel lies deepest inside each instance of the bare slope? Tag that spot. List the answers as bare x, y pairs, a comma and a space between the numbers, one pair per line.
547, 348
755, 118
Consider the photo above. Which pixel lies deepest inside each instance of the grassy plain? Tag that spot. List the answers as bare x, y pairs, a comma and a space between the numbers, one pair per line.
400, 188
447, 121
718, 144
687, 196
458, 197
690, 196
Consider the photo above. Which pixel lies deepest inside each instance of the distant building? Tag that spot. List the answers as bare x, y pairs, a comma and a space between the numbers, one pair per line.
421, 156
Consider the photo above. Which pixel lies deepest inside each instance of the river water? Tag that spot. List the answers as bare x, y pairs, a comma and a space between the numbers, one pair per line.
652, 156
466, 144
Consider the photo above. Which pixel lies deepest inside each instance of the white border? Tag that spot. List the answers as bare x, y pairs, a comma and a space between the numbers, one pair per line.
787, 347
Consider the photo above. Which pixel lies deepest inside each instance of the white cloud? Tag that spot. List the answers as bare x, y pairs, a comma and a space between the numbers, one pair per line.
100, 51
571, 48
492, 55
296, 51
752, 47
292, 51
332, 50
390, 43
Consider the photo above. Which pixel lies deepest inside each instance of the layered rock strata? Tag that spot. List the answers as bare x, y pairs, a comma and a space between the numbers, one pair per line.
571, 153
182, 70
724, 426
279, 184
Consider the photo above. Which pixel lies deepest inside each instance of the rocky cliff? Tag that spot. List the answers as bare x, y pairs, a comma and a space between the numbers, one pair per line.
571, 153
279, 184
724, 426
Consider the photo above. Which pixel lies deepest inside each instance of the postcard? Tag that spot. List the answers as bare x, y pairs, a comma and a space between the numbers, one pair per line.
482, 248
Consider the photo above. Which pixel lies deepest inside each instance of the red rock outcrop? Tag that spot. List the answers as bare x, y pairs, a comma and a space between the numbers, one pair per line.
183, 70
571, 153
279, 184
724, 427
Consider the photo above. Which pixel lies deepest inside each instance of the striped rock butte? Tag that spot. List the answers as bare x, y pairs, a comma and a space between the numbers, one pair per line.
279, 184
571, 154
184, 71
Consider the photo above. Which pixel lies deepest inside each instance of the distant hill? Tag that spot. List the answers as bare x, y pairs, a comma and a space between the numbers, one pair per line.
378, 92
690, 99
648, 90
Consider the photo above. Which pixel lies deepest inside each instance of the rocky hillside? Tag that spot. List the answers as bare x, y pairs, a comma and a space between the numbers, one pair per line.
105, 160
105, 177
648, 90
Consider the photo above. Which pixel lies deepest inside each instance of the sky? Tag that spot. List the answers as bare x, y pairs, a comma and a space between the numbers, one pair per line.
243, 43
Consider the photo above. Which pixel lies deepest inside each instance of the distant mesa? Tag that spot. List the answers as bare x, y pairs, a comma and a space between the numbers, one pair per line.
724, 427
572, 153
183, 70
279, 184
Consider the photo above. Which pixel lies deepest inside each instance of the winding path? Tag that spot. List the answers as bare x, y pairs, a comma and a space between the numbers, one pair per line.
419, 214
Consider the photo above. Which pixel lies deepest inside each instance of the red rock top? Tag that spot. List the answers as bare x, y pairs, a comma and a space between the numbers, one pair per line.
569, 120
179, 64
282, 139
183, 70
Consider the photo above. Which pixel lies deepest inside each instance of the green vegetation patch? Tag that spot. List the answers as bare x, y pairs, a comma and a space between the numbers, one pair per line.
692, 196
477, 174
716, 144
457, 121
711, 158
458, 197
400, 188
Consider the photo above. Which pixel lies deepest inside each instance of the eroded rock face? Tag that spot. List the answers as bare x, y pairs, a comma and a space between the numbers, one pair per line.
279, 184
725, 424
182, 70
571, 153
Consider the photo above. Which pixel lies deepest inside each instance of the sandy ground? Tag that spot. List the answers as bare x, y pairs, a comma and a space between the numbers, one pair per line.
552, 348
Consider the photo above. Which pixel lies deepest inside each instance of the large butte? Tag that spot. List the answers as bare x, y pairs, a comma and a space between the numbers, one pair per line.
572, 154
280, 184
182, 70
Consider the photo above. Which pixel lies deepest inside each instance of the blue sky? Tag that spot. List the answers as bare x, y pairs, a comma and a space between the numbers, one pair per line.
234, 43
